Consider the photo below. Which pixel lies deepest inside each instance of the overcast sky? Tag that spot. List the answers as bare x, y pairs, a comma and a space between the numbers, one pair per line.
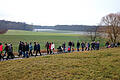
56, 12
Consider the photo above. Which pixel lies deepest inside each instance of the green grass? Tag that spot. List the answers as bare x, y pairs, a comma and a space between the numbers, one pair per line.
14, 36
21, 32
92, 65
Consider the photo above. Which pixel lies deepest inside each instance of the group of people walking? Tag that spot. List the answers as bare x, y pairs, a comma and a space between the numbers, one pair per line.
25, 50
8, 51
50, 47
85, 46
111, 45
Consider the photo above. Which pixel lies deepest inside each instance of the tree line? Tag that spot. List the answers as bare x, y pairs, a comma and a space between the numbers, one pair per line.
14, 25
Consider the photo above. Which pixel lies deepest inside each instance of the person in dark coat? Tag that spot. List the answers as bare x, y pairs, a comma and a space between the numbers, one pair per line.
63, 46
47, 46
6, 51
10, 52
38, 49
73, 45
118, 44
83, 46
78, 45
70, 45
93, 45
88, 46
59, 50
107, 44
97, 45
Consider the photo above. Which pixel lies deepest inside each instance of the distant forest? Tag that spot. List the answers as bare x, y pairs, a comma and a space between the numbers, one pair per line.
23, 26
14, 25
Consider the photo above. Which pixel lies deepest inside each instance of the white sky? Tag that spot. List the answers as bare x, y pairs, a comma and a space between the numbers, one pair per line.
54, 12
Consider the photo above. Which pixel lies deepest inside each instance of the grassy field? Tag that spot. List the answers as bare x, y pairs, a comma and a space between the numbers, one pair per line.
93, 65
14, 36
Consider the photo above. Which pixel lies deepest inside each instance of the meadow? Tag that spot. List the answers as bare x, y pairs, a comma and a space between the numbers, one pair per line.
14, 36
93, 65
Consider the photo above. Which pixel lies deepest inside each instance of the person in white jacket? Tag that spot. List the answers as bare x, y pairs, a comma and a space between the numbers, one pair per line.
52, 47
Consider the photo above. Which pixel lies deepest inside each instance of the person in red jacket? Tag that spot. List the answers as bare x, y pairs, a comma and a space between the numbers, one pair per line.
50, 48
1, 50
69, 49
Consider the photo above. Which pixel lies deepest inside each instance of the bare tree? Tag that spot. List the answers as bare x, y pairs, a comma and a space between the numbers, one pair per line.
111, 26
93, 33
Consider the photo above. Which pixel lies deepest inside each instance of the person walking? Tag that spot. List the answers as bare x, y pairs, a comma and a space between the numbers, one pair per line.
118, 44
107, 44
78, 45
63, 46
23, 49
70, 44
38, 49
93, 45
30, 49
1, 51
97, 45
112, 45
35, 48
52, 47
20, 49
68, 49
6, 51
83, 46
73, 45
88, 46
10, 52
26, 49
47, 46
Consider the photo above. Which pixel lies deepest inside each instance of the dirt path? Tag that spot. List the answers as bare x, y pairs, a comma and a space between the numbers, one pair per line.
17, 57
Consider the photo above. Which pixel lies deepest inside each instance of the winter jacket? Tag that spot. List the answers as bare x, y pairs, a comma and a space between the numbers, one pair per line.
35, 47
1, 47
38, 46
30, 47
78, 44
52, 46
23, 48
27, 47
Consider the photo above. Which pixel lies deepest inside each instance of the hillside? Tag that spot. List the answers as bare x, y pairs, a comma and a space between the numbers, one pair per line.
93, 65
